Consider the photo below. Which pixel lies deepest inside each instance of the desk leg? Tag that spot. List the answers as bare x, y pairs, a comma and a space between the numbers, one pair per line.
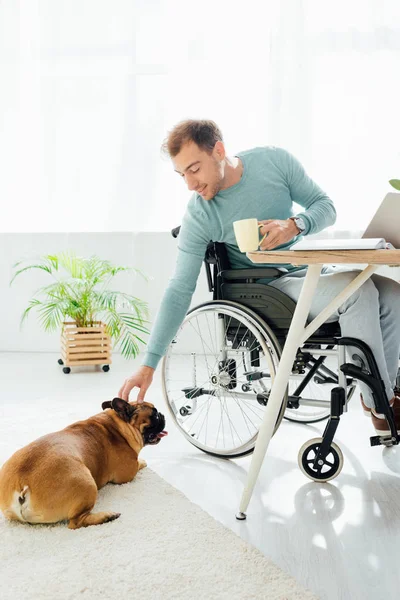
280, 383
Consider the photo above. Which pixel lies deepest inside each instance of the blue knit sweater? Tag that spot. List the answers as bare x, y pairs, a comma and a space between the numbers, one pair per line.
272, 180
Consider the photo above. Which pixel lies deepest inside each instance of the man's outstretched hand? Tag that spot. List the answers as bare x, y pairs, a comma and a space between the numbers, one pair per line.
142, 379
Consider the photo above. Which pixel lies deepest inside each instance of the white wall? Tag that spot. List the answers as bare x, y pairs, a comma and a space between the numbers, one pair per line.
153, 253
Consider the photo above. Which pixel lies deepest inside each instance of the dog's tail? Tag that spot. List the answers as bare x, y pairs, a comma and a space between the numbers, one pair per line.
19, 503
22, 494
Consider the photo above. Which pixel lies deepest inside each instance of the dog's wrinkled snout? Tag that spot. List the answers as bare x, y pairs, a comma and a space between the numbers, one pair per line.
155, 431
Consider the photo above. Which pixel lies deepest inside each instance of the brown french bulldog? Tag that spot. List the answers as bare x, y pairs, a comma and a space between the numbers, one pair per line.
56, 477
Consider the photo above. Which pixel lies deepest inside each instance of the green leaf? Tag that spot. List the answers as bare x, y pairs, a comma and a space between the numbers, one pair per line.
32, 304
51, 315
42, 267
128, 345
395, 183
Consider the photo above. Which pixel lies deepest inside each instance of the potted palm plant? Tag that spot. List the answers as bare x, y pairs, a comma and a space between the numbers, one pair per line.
97, 315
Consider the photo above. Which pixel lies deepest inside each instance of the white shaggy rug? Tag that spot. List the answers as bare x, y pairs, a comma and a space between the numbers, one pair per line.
162, 547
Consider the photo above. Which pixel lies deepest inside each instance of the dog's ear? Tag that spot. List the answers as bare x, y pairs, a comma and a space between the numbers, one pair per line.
123, 409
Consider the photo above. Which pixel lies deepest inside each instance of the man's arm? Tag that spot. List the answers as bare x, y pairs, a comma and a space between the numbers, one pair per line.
192, 244
320, 211
172, 311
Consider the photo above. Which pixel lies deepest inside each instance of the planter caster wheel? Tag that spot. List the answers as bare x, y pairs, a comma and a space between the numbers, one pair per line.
60, 361
66, 370
106, 368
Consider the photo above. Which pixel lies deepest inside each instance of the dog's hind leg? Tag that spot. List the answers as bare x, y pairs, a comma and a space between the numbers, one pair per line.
87, 518
85, 495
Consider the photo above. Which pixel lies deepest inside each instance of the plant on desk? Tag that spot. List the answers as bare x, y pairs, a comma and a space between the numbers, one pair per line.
79, 292
395, 183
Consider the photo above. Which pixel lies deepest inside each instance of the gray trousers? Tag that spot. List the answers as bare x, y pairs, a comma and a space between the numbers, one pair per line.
371, 314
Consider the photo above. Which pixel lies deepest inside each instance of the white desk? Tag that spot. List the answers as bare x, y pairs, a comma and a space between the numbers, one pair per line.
299, 332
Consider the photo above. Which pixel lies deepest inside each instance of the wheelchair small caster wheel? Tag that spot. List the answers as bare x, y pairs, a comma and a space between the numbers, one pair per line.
328, 468
106, 368
60, 361
66, 370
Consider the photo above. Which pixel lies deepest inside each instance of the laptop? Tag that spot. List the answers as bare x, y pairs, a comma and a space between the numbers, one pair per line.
383, 231
386, 221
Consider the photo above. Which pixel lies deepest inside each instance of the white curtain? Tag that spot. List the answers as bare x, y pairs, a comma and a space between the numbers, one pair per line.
89, 89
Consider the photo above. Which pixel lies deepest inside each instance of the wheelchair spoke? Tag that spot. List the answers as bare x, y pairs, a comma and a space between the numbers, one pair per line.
221, 421
209, 331
251, 408
251, 347
199, 334
236, 334
231, 425
198, 413
202, 341
219, 428
230, 420
245, 416
205, 418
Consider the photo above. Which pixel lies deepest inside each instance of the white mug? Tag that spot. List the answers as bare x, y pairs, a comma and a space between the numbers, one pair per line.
247, 234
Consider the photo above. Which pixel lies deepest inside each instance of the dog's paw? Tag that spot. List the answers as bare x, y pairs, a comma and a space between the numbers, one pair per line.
111, 517
142, 464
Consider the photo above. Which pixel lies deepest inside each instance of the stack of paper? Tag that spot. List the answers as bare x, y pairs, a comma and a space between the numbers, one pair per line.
347, 244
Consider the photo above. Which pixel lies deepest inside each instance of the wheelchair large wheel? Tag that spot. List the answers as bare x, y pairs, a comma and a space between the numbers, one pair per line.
205, 377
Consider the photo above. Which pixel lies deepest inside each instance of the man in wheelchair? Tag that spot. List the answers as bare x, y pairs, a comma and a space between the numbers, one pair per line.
262, 183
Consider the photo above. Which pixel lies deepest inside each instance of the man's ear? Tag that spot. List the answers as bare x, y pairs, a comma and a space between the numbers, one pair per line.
219, 150
123, 409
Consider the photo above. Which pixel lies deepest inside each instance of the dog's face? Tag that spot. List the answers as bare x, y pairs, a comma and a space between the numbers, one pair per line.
144, 417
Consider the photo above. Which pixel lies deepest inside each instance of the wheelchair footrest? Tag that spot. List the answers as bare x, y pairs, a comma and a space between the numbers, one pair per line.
380, 440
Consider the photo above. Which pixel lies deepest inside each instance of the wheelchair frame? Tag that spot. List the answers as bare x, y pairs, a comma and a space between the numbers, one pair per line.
276, 310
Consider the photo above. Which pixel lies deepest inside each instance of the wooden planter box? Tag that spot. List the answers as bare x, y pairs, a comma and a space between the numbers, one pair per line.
85, 345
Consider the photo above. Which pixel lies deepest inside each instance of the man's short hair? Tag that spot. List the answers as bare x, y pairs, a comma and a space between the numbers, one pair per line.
203, 133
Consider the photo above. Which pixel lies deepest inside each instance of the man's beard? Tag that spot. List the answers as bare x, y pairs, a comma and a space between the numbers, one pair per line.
214, 190
217, 185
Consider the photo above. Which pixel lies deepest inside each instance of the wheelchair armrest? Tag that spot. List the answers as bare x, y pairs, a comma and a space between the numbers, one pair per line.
231, 274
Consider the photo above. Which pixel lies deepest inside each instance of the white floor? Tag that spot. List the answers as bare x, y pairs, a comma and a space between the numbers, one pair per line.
339, 539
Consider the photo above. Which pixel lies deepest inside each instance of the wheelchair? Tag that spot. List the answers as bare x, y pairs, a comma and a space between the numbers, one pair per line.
218, 370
